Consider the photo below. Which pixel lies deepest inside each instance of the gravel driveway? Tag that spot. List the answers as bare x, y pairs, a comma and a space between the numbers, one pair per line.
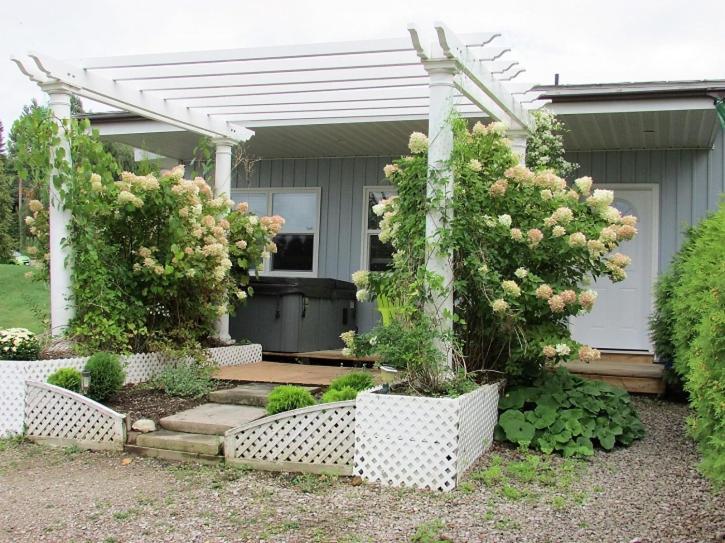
649, 492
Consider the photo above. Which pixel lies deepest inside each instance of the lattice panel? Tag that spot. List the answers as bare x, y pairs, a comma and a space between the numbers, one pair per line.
12, 394
420, 442
57, 413
235, 355
139, 368
479, 414
318, 435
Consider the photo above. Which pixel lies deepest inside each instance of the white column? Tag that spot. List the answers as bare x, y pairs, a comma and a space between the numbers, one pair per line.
440, 136
222, 185
518, 144
61, 304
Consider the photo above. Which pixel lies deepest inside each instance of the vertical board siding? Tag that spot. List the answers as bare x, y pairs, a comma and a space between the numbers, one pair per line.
691, 182
341, 182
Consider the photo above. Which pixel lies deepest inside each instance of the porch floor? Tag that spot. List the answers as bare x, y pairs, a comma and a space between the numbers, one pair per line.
282, 373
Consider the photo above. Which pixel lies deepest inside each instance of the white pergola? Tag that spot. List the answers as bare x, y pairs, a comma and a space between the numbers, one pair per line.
224, 94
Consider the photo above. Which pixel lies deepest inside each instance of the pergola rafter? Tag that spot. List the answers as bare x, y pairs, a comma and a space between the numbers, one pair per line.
224, 93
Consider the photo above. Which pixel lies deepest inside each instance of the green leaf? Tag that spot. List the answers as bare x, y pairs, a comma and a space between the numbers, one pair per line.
516, 428
513, 399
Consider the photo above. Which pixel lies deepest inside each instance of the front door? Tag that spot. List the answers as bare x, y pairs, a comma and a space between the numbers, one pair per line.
619, 318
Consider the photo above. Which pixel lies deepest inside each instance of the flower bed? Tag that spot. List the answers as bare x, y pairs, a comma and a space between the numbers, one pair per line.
139, 368
422, 442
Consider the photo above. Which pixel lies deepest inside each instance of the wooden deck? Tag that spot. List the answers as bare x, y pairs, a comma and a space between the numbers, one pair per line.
282, 373
329, 354
632, 372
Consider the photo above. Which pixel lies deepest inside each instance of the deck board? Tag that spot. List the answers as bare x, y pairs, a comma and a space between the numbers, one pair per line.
281, 373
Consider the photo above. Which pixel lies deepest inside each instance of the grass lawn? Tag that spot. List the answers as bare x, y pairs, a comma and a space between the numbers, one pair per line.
24, 302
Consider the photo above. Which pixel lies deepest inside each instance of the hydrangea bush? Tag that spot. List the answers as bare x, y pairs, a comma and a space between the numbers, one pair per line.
155, 258
523, 245
18, 344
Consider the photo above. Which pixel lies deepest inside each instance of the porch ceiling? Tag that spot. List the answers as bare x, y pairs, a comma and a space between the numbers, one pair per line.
380, 138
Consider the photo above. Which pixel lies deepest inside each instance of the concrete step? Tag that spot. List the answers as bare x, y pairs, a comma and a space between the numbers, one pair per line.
253, 394
211, 418
181, 442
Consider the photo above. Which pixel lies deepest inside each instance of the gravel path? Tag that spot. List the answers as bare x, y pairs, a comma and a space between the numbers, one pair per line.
650, 492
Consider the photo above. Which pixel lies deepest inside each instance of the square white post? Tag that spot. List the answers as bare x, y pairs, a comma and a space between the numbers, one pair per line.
222, 185
61, 304
518, 144
440, 177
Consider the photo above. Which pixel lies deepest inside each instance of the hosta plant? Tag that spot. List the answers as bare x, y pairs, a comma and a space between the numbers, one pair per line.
563, 413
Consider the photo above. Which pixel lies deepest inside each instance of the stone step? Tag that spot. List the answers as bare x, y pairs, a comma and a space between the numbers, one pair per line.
253, 394
211, 418
209, 445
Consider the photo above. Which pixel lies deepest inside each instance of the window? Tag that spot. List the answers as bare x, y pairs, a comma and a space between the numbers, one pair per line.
376, 255
297, 243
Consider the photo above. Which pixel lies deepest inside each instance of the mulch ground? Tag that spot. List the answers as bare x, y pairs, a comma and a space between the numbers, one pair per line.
143, 402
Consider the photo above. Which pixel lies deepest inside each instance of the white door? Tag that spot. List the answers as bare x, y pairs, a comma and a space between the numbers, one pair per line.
619, 318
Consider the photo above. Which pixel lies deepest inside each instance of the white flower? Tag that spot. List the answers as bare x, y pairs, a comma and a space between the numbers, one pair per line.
611, 214
601, 198
521, 273
360, 278
390, 169
584, 184
546, 194
558, 231
379, 209
497, 128
505, 220
475, 165
418, 143
499, 306
361, 295
253, 220
511, 288
562, 349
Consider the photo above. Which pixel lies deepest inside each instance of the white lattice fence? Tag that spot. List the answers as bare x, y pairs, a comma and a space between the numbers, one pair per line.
317, 439
58, 416
422, 442
139, 368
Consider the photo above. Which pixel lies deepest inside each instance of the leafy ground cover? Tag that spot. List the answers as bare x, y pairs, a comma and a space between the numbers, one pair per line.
25, 303
650, 491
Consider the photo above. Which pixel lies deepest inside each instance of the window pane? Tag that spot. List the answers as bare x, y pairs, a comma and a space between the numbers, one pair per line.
294, 252
257, 201
374, 197
299, 210
380, 255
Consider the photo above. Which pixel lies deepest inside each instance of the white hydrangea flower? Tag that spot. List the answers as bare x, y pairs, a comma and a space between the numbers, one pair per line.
521, 273
418, 143
505, 220
475, 165
361, 295
584, 184
360, 278
562, 349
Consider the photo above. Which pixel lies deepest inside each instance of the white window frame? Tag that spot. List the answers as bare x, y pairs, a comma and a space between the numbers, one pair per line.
366, 232
270, 192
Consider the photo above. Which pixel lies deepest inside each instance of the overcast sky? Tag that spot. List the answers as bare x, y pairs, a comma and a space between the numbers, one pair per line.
585, 41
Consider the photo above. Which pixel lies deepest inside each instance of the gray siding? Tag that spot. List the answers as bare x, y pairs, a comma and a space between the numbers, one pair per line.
341, 181
691, 184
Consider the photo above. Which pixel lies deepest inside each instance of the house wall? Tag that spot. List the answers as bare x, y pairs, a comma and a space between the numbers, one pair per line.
341, 181
691, 184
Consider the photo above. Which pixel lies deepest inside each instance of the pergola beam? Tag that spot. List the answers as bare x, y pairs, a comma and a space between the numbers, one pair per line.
125, 97
476, 71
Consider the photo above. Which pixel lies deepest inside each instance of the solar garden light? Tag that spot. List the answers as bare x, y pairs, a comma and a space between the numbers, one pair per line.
85, 381
388, 375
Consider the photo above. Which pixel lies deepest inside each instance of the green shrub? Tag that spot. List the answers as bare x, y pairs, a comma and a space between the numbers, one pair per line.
698, 332
357, 380
186, 380
288, 397
68, 378
18, 344
107, 375
340, 394
567, 414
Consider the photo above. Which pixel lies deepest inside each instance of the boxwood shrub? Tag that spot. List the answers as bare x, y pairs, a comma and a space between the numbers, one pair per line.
692, 312
288, 397
564, 413
68, 378
107, 375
